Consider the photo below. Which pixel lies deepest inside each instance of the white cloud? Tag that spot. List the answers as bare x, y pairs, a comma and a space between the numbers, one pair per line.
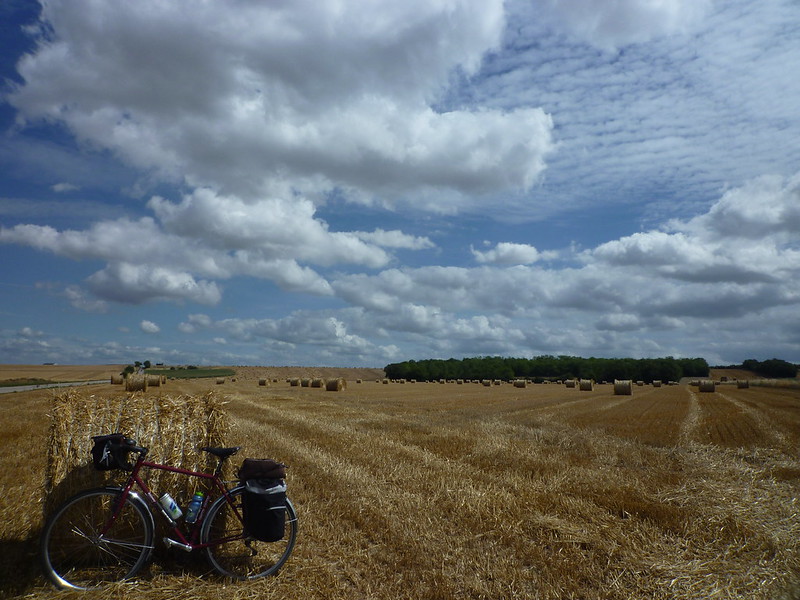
64, 187
207, 97
612, 24
149, 327
507, 253
134, 284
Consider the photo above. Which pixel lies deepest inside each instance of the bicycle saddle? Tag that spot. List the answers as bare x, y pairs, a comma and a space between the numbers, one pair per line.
221, 452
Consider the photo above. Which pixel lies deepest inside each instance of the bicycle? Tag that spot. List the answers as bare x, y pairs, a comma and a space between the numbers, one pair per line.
106, 534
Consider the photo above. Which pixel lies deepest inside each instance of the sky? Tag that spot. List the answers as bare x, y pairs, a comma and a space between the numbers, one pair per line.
356, 183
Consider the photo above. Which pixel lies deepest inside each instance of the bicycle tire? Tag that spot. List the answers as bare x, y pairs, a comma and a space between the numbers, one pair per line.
74, 555
244, 557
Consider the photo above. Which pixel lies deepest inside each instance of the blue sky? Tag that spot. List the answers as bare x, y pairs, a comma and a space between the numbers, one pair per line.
354, 184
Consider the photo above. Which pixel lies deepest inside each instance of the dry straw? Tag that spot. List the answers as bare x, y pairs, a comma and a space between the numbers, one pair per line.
570, 383
317, 382
520, 383
623, 387
586, 385
335, 385
707, 385
117, 380
171, 427
262, 382
743, 384
136, 383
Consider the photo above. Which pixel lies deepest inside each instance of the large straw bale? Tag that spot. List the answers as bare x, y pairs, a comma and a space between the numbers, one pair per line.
136, 383
117, 380
570, 383
586, 385
171, 427
743, 384
623, 387
335, 385
707, 385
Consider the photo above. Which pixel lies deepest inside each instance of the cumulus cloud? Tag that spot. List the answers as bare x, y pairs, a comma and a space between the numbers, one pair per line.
507, 253
268, 100
149, 327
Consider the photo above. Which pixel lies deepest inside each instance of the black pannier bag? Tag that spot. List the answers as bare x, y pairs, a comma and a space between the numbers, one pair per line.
264, 508
110, 452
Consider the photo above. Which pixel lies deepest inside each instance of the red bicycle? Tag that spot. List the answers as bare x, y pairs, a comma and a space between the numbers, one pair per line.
107, 534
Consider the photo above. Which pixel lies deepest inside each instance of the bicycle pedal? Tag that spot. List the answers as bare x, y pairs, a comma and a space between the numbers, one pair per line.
169, 542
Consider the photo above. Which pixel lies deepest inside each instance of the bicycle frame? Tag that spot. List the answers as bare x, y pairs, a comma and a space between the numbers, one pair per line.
192, 541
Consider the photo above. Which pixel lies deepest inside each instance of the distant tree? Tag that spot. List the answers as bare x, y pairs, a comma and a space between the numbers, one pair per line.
147, 364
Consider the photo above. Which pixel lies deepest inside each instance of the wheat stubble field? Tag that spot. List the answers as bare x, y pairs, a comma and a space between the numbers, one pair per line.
440, 491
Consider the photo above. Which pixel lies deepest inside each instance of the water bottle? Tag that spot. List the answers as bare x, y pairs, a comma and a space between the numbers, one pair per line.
194, 507
170, 506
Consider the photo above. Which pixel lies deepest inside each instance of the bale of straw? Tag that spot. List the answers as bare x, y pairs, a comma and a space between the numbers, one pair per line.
385, 381
262, 382
586, 385
707, 385
640, 383
317, 382
743, 384
336, 385
117, 380
220, 380
153, 380
570, 383
623, 387
136, 383
656, 383
305, 382
171, 427
520, 383
294, 381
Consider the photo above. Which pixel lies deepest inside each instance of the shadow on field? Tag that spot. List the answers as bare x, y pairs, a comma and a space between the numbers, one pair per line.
19, 565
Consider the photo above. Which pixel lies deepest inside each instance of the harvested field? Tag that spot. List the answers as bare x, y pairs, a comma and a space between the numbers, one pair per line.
466, 491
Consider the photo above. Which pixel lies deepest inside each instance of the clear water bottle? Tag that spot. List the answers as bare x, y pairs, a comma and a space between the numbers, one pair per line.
194, 507
170, 506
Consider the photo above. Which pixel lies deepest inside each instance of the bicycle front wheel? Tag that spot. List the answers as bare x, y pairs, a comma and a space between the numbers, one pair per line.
235, 554
83, 546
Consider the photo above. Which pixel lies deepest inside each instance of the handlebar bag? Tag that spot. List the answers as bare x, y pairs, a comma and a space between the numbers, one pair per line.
264, 508
110, 452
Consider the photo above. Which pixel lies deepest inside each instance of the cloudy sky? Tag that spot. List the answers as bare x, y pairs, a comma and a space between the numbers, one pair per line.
355, 183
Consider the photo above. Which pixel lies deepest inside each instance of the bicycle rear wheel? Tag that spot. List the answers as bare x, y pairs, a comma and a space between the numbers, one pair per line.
76, 554
237, 555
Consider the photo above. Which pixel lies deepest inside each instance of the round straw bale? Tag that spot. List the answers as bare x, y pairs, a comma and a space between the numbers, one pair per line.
136, 383
318, 382
262, 382
153, 380
586, 385
294, 381
220, 380
570, 383
707, 385
623, 387
336, 385
656, 383
743, 384
520, 383
305, 382
385, 381
117, 380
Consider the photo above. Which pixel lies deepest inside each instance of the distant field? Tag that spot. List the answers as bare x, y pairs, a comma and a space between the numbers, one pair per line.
428, 490
191, 373
60, 373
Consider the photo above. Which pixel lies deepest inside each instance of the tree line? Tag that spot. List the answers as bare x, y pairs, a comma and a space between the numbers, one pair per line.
540, 368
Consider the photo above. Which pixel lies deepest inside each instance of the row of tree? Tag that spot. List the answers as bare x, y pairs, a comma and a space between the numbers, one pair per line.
773, 368
550, 367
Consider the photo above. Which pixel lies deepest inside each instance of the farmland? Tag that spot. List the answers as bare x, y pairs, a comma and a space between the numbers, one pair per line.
429, 490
